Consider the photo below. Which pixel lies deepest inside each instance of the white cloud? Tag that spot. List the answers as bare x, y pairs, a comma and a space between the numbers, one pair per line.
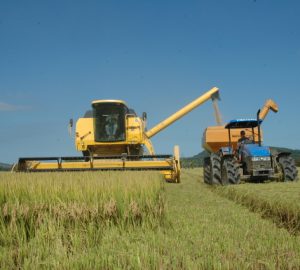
10, 107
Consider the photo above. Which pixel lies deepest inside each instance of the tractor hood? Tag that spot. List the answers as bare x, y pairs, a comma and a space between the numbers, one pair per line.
254, 150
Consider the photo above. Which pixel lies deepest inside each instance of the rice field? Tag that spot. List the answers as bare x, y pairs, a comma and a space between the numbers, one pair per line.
41, 210
136, 221
104, 198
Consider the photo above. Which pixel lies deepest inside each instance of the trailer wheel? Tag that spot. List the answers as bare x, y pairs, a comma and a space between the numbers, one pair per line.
230, 172
206, 170
288, 167
212, 170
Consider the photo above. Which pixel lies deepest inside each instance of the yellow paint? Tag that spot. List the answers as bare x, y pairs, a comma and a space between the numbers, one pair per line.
109, 101
136, 135
215, 137
185, 110
269, 105
134, 130
167, 167
136, 138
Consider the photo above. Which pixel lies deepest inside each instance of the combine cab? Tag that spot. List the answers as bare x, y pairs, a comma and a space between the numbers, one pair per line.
112, 137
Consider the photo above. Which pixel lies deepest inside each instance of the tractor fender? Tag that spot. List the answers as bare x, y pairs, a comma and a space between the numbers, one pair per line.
226, 152
281, 154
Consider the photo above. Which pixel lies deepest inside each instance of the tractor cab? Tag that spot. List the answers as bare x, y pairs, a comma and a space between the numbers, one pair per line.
250, 142
254, 158
248, 127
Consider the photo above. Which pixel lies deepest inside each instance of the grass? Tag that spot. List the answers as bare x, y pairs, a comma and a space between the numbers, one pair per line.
277, 201
198, 230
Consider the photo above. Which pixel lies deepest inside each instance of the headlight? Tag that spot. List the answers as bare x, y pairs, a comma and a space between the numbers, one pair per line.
261, 158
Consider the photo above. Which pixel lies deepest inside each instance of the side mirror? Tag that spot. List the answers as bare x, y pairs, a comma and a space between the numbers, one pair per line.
70, 126
144, 118
258, 127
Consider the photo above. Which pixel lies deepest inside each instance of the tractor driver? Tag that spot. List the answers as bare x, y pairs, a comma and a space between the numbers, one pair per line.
241, 141
243, 137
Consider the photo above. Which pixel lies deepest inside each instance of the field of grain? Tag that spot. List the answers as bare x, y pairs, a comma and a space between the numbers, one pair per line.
135, 221
105, 198
40, 211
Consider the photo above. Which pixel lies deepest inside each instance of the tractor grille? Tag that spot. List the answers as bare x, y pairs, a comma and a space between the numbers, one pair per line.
261, 165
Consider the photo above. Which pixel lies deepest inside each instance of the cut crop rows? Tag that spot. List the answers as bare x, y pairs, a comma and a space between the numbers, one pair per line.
279, 202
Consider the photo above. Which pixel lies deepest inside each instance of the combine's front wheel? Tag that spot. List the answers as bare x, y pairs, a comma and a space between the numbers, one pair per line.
177, 163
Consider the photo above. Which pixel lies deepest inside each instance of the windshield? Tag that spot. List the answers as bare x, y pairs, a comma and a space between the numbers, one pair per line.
109, 122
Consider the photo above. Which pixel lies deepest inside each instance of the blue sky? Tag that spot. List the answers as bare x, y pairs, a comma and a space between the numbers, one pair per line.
58, 56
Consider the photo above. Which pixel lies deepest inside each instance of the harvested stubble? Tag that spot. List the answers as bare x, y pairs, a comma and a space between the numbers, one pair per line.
277, 201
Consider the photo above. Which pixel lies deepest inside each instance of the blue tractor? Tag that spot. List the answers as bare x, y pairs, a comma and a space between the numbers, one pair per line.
250, 161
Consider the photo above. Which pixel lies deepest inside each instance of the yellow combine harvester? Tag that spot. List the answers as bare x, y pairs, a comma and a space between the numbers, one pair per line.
112, 137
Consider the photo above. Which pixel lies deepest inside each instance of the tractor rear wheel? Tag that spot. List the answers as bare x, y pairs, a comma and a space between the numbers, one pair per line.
230, 172
212, 170
288, 167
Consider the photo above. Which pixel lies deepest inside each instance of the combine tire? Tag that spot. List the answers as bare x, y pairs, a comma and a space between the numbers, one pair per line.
86, 155
212, 170
289, 170
230, 172
177, 161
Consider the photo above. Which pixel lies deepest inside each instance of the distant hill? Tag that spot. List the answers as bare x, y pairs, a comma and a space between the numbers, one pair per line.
5, 167
197, 160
